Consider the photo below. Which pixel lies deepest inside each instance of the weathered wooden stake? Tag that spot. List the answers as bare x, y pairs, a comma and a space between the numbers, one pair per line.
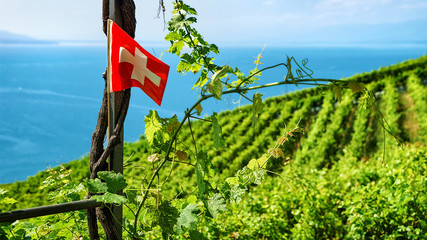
48, 210
116, 158
123, 13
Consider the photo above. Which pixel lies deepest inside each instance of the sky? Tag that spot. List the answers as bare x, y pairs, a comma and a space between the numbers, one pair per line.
233, 22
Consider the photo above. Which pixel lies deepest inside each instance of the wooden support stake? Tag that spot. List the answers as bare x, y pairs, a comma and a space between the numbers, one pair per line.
116, 158
48, 210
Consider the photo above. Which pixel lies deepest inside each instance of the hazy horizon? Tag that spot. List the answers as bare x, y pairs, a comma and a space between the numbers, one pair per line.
270, 22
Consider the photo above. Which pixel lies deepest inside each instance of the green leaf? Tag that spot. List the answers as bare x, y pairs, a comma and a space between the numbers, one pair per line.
8, 200
182, 156
215, 87
254, 164
203, 79
276, 152
199, 109
356, 86
188, 217
253, 176
172, 36
196, 235
110, 198
177, 47
152, 126
216, 205
168, 218
183, 66
115, 181
255, 73
236, 193
220, 73
219, 142
192, 199
337, 92
159, 131
202, 171
191, 19
232, 181
96, 186
171, 125
190, 10
132, 196
214, 48
257, 106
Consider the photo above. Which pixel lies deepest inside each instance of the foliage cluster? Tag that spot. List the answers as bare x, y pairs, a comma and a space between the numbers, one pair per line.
224, 156
347, 191
351, 200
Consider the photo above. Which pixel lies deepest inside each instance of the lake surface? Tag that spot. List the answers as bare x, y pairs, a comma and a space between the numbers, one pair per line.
50, 95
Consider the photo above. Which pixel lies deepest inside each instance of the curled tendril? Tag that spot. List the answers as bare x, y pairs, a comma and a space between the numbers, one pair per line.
301, 72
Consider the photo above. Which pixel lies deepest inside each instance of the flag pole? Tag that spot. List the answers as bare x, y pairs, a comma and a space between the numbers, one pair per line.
109, 95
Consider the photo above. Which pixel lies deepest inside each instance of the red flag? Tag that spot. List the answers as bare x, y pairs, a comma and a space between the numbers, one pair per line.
129, 65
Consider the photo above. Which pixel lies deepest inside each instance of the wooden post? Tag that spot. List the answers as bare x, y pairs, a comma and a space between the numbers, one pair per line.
48, 210
113, 110
116, 158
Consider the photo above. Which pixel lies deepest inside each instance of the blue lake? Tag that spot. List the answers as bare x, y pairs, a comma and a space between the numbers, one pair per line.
50, 95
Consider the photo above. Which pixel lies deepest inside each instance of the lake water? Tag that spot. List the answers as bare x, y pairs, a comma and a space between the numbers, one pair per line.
50, 95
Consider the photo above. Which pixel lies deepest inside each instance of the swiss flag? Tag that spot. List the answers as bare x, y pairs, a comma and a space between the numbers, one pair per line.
129, 65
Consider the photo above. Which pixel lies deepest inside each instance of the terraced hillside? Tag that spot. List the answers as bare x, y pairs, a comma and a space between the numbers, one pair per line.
346, 176
332, 129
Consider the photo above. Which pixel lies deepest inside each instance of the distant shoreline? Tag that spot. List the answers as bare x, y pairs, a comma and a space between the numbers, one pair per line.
35, 42
9, 38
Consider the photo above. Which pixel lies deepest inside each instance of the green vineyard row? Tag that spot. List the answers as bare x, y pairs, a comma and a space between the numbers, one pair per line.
354, 173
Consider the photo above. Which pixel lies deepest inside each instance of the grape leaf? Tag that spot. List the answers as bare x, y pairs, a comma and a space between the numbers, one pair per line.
176, 48
110, 198
152, 126
248, 175
132, 196
236, 193
355, 86
276, 152
172, 36
96, 186
257, 163
182, 156
115, 181
219, 142
188, 217
202, 171
257, 106
168, 218
196, 235
170, 124
203, 79
192, 199
232, 181
216, 205
215, 86
337, 93
199, 109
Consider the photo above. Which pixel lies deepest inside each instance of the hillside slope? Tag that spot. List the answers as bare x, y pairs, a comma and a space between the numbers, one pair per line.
327, 175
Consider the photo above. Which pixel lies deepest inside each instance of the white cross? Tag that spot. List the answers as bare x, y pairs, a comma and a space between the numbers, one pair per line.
139, 62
